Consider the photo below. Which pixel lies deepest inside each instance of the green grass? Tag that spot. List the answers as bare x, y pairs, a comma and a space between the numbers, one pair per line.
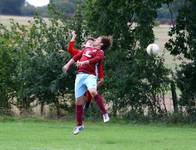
57, 135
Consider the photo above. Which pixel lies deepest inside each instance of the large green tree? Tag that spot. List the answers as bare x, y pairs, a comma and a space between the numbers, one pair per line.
32, 59
7, 71
182, 44
134, 79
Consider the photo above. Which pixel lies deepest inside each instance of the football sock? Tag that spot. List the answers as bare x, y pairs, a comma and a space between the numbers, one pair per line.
86, 106
79, 113
99, 101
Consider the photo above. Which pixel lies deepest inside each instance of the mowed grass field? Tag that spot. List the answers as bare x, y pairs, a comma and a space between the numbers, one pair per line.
31, 134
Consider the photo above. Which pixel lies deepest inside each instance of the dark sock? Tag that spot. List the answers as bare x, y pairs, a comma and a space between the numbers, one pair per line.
86, 106
79, 113
99, 101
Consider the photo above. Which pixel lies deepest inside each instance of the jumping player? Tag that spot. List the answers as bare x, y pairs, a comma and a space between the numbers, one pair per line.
86, 78
99, 68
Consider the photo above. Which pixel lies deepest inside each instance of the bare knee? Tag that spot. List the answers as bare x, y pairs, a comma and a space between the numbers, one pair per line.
93, 92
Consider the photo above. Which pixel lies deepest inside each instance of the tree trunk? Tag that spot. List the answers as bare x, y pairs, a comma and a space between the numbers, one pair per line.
42, 108
174, 96
57, 108
163, 98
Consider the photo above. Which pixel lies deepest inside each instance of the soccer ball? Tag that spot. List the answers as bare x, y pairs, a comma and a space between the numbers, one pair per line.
153, 49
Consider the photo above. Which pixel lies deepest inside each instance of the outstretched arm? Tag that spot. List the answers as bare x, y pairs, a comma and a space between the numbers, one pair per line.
66, 66
72, 61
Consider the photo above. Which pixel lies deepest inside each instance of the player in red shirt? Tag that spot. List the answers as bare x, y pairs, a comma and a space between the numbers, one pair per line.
86, 77
74, 52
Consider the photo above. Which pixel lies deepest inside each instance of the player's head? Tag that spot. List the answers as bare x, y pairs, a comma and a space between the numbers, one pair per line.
103, 42
89, 42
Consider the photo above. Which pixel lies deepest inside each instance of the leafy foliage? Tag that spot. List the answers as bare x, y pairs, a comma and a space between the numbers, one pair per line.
11, 7
38, 58
184, 45
134, 80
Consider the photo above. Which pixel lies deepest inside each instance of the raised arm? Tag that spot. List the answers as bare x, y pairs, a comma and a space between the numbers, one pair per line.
70, 47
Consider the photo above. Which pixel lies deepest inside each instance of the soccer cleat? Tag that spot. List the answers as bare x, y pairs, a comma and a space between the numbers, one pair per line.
77, 129
106, 117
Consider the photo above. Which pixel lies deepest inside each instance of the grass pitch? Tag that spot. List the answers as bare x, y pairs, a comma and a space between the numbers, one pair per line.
57, 135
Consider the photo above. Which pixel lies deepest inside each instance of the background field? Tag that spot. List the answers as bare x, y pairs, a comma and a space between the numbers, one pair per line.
22, 20
31, 134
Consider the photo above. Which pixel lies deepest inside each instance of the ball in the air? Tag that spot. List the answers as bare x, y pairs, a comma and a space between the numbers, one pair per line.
153, 49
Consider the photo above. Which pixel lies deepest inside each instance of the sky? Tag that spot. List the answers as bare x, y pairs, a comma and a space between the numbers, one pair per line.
38, 3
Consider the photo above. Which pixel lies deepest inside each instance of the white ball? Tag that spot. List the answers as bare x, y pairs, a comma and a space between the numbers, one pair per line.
153, 49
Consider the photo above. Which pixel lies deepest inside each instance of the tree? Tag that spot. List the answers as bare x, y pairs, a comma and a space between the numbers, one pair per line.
11, 7
184, 45
7, 70
169, 11
32, 60
42, 73
8, 63
68, 6
136, 80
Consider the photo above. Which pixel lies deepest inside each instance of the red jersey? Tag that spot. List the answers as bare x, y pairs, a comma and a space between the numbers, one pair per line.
93, 55
74, 52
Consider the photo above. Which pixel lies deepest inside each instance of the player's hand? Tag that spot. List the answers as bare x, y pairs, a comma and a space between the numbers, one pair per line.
100, 82
73, 34
65, 68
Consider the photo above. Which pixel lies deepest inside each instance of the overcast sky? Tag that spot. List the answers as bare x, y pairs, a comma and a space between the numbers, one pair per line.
38, 3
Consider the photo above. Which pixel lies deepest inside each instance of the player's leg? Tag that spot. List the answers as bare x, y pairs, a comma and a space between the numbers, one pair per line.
91, 83
79, 111
80, 89
87, 101
98, 99
79, 114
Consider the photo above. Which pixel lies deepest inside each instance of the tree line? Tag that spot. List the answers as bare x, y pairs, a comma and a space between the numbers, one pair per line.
20, 7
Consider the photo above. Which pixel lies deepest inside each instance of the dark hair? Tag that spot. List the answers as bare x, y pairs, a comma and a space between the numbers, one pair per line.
107, 42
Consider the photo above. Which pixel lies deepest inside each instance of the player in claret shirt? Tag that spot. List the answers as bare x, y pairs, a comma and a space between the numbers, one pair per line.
99, 67
86, 78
